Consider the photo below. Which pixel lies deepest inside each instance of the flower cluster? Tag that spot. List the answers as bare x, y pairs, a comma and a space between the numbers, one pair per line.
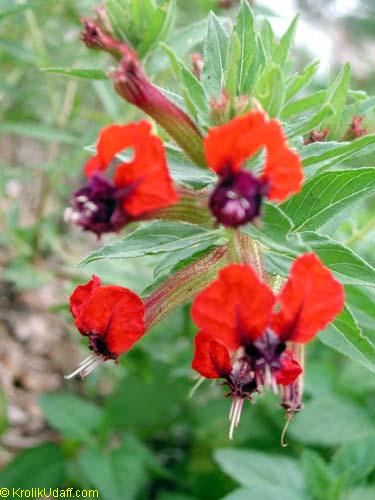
250, 336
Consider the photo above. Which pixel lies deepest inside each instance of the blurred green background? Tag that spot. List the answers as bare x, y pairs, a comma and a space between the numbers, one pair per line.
133, 432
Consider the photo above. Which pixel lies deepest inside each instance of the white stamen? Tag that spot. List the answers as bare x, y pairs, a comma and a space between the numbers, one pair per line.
85, 367
82, 199
196, 386
235, 415
89, 205
267, 376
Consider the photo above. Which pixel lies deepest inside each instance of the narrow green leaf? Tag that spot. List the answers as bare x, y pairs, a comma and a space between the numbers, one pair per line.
348, 267
304, 104
318, 476
298, 82
234, 65
281, 51
327, 194
215, 57
244, 28
37, 131
305, 125
153, 238
270, 89
183, 170
86, 73
336, 97
324, 155
346, 337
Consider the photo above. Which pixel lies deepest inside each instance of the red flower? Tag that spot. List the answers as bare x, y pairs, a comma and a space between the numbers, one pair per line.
140, 185
111, 317
238, 196
243, 336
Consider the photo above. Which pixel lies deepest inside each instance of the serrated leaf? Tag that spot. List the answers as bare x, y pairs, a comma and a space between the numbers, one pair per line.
86, 73
154, 238
318, 476
326, 195
348, 267
346, 337
254, 468
40, 467
356, 460
77, 423
328, 421
248, 45
215, 57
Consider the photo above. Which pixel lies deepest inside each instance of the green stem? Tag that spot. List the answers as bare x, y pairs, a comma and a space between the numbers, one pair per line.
361, 233
183, 286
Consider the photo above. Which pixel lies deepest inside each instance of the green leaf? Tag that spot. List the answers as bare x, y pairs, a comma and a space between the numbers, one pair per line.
17, 51
270, 89
274, 230
305, 125
345, 336
281, 51
39, 467
298, 82
181, 43
78, 423
361, 302
16, 9
158, 28
154, 238
184, 171
356, 460
215, 57
327, 194
327, 421
318, 476
248, 44
336, 97
304, 104
360, 493
234, 64
348, 267
86, 73
266, 491
324, 155
117, 475
254, 468
194, 94
37, 131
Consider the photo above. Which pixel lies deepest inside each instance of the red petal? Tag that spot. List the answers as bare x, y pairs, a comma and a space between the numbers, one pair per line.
231, 144
235, 309
117, 138
310, 300
127, 323
92, 165
290, 370
148, 173
81, 295
283, 167
113, 312
211, 358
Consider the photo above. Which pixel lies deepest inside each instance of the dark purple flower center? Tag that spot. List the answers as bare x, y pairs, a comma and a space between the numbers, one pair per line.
98, 345
97, 206
237, 198
257, 367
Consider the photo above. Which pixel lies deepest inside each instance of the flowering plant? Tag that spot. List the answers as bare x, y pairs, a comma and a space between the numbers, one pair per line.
235, 180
